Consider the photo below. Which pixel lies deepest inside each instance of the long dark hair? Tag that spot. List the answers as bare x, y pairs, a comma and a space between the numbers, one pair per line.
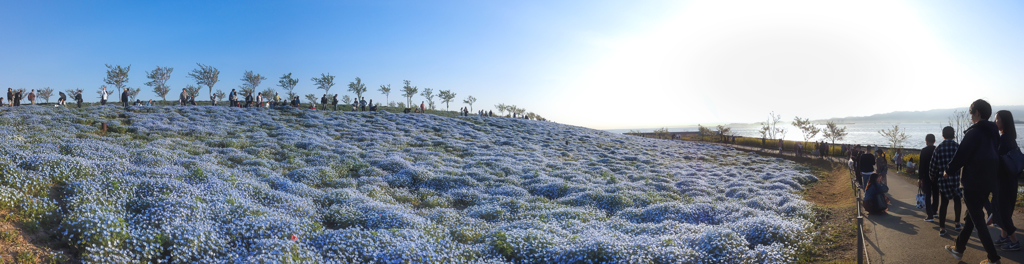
1006, 119
871, 180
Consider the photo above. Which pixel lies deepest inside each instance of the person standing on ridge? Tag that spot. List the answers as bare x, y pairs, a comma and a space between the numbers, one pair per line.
362, 104
334, 102
183, 97
124, 98
103, 96
78, 98
32, 97
980, 163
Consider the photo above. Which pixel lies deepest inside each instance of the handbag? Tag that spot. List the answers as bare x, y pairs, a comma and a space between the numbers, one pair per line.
920, 198
1013, 161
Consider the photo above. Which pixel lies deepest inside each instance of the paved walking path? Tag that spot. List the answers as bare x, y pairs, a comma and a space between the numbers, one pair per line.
902, 236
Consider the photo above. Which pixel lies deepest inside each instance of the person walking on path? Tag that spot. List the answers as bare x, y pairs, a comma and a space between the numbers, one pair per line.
104, 95
881, 165
926, 181
979, 161
898, 160
949, 187
1005, 197
866, 161
32, 97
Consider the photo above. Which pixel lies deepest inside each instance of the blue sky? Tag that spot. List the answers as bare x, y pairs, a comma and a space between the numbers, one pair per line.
599, 64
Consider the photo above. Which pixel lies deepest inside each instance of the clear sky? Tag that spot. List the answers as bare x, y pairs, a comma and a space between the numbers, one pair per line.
599, 64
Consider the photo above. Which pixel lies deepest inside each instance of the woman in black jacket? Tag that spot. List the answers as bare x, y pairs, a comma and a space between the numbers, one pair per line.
978, 159
1006, 192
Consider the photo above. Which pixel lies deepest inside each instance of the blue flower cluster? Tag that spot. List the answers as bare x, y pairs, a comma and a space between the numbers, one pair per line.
255, 185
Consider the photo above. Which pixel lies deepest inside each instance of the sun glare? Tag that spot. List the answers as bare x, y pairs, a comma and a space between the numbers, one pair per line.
719, 60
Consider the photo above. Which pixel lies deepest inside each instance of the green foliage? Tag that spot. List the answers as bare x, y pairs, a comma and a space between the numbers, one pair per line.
325, 82
470, 100
116, 76
895, 136
205, 75
446, 97
408, 91
357, 87
288, 83
159, 77
8, 236
386, 91
429, 94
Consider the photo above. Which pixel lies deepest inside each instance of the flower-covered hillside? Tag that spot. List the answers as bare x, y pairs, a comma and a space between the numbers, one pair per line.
220, 185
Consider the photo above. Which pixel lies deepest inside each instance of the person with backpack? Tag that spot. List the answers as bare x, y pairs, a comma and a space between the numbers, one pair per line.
979, 162
875, 201
334, 102
1005, 197
928, 181
78, 98
32, 97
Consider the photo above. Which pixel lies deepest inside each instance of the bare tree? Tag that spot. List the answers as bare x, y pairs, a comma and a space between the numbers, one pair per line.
834, 132
808, 129
159, 78
446, 97
895, 136
386, 91
45, 93
288, 84
357, 87
960, 120
429, 94
117, 76
409, 91
345, 99
470, 100
771, 127
206, 75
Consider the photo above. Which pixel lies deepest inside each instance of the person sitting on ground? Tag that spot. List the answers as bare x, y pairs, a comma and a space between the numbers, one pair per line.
910, 165
355, 104
63, 100
875, 201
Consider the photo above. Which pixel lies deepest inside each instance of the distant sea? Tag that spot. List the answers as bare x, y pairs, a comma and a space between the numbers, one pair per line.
857, 133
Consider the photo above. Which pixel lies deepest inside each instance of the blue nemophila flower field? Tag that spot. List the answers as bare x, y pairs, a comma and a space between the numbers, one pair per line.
229, 185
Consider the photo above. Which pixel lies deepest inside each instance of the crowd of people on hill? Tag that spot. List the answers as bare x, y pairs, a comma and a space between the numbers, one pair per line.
980, 172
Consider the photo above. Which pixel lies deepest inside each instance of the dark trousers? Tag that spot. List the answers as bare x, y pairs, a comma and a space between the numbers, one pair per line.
931, 196
1004, 200
103, 102
944, 205
79, 104
975, 200
125, 103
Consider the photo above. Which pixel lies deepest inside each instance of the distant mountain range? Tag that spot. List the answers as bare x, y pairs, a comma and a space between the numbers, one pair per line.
932, 116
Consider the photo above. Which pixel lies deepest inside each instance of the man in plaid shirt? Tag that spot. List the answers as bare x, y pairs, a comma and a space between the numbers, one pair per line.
949, 187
